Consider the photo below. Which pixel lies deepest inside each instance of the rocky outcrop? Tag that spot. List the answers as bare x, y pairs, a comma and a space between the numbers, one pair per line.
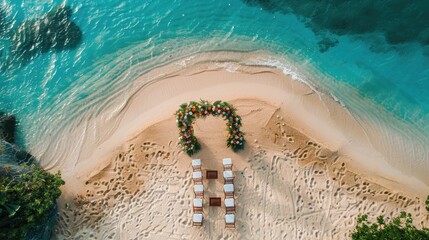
53, 31
11, 155
7, 127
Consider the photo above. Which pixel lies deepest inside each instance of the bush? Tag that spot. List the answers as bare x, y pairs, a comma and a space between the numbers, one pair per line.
399, 228
26, 200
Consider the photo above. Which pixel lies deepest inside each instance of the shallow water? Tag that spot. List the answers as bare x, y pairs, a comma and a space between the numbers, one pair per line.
338, 47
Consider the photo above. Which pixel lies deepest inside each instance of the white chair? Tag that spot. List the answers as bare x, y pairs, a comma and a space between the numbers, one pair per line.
197, 176
227, 164
230, 220
228, 176
228, 189
229, 205
198, 205
197, 219
196, 164
199, 190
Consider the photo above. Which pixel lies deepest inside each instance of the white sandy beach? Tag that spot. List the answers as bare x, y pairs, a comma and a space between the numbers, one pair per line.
307, 171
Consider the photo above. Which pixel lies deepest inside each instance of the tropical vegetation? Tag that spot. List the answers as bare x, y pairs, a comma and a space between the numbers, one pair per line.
399, 228
26, 200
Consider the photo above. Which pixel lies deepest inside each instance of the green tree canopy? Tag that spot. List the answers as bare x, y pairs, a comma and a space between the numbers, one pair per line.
399, 228
26, 199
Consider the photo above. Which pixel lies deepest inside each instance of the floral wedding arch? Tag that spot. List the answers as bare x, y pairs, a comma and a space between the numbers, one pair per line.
189, 112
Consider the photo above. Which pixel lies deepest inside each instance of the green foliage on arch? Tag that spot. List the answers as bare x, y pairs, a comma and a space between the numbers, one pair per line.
189, 112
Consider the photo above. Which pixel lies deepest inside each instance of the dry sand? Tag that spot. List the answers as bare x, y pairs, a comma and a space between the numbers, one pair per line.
306, 173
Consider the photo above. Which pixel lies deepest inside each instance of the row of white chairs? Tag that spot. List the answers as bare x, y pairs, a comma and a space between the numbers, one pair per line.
228, 189
197, 176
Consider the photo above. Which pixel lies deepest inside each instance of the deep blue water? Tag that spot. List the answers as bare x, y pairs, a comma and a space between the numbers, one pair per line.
379, 50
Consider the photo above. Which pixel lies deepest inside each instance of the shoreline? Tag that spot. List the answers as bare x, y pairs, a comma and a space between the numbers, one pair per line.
319, 117
93, 121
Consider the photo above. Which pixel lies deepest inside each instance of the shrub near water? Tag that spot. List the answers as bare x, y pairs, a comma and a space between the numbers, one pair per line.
26, 200
399, 228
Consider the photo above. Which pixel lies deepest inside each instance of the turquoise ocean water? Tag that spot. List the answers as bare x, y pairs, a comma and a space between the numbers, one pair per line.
379, 51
